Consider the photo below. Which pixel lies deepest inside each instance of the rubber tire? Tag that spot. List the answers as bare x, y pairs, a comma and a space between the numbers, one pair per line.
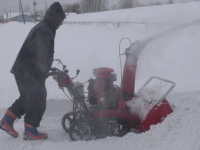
125, 125
71, 128
67, 117
70, 119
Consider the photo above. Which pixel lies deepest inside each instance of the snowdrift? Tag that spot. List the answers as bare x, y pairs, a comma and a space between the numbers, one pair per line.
165, 14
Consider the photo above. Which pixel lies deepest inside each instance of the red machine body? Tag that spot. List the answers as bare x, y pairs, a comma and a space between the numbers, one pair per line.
103, 75
141, 114
156, 115
113, 110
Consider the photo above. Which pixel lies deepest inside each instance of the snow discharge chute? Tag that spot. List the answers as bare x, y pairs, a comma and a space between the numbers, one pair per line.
149, 105
128, 80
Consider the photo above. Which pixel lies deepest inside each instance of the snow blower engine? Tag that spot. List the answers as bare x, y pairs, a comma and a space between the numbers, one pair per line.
101, 91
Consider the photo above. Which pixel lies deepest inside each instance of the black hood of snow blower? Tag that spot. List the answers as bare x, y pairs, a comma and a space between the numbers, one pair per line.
54, 15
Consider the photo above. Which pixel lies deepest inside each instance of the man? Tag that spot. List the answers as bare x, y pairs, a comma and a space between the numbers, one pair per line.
31, 69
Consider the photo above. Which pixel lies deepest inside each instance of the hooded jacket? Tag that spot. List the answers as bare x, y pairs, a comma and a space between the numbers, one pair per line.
36, 54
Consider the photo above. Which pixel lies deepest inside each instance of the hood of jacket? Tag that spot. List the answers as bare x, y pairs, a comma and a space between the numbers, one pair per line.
54, 15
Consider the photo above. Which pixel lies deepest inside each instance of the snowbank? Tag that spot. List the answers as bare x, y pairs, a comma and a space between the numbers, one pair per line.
176, 13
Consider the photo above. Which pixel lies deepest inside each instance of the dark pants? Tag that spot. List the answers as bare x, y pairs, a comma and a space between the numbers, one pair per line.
32, 100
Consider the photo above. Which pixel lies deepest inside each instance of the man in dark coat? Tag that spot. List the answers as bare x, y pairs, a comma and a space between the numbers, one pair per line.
31, 69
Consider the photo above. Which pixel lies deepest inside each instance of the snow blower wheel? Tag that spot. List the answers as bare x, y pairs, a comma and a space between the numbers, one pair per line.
79, 131
119, 128
69, 118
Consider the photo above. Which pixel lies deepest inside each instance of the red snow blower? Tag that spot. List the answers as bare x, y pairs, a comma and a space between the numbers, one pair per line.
110, 110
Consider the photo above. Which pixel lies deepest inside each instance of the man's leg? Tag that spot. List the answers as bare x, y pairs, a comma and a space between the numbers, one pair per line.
35, 105
15, 111
35, 108
18, 107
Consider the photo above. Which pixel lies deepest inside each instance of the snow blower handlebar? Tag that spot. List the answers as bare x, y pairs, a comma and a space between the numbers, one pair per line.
65, 81
53, 71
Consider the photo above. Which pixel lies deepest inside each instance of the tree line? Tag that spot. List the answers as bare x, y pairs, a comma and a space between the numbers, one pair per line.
87, 6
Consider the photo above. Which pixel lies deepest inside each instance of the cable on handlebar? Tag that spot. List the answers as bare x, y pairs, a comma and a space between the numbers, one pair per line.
67, 95
73, 101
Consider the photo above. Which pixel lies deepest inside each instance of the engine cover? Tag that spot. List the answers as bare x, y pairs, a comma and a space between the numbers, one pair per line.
102, 73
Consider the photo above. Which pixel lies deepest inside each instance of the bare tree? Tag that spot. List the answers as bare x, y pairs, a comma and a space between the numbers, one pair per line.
41, 14
75, 8
103, 5
135, 3
27, 8
123, 4
67, 8
114, 7
93, 5
170, 2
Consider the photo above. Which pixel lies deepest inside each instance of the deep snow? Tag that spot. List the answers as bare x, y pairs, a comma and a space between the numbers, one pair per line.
173, 55
162, 15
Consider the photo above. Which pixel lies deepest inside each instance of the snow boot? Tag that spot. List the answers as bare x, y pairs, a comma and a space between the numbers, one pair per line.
6, 123
31, 133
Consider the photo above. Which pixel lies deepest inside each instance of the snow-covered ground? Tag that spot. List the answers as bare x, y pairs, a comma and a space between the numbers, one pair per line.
165, 14
173, 55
